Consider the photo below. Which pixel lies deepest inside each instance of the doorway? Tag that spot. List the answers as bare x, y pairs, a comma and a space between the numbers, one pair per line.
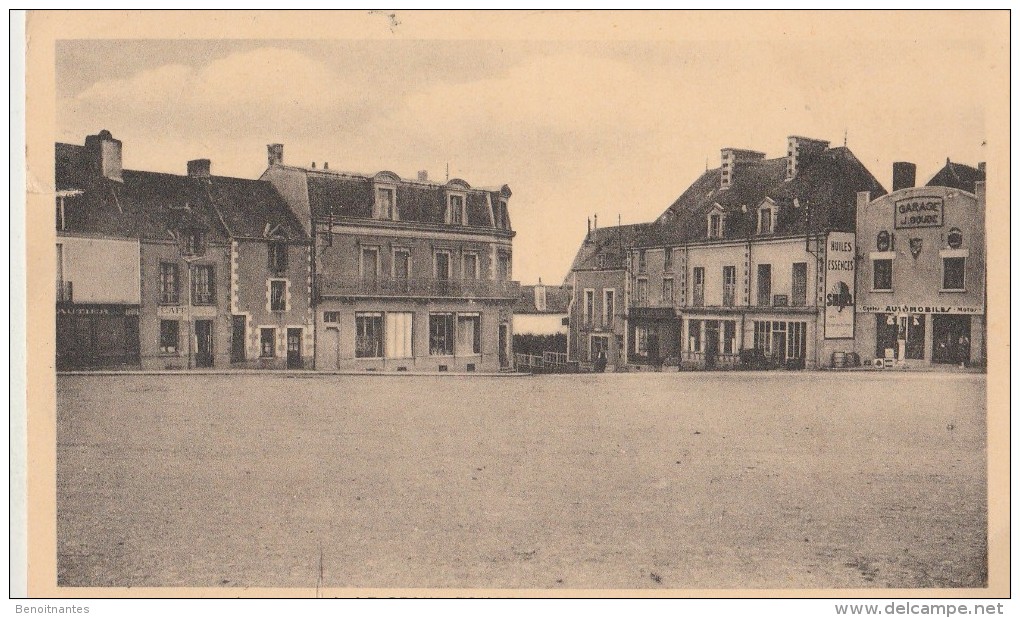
951, 336
203, 343
294, 349
711, 343
503, 341
331, 349
237, 351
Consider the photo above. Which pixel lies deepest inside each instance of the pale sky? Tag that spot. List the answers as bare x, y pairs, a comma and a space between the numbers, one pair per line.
575, 128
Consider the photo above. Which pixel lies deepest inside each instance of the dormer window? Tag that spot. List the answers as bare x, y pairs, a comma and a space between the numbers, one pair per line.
716, 222
386, 203
767, 217
455, 208
194, 242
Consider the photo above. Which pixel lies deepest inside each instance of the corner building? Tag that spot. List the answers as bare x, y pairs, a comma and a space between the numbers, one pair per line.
921, 286
408, 275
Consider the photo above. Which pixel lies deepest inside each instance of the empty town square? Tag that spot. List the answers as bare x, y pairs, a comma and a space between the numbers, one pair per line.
673, 480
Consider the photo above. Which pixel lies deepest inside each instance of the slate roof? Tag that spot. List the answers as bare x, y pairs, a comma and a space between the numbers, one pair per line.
147, 205
825, 189
556, 300
345, 194
957, 176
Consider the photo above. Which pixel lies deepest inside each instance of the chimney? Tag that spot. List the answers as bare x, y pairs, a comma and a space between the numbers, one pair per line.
104, 154
798, 149
981, 168
275, 154
313, 165
904, 175
423, 175
199, 168
325, 165
729, 159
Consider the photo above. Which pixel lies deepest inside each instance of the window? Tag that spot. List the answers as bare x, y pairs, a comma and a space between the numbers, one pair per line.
169, 284
667, 259
267, 342
763, 336
642, 291
368, 336
764, 285
729, 286
698, 287
694, 335
194, 242
441, 335
455, 209
729, 337
504, 266
331, 317
469, 334
667, 290
470, 266
589, 307
386, 203
369, 262
764, 220
799, 287
641, 340
642, 261
277, 257
399, 335
277, 295
882, 275
203, 285
608, 307
953, 269
715, 225
442, 265
169, 336
402, 263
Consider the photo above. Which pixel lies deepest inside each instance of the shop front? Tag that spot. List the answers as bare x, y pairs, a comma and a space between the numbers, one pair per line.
921, 335
92, 336
654, 337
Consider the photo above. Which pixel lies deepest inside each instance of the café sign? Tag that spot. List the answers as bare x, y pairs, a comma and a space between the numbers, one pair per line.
916, 212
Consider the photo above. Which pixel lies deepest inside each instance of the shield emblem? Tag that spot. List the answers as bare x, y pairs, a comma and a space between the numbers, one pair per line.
915, 247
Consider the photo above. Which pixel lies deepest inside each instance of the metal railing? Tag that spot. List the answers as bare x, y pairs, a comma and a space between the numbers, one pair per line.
333, 285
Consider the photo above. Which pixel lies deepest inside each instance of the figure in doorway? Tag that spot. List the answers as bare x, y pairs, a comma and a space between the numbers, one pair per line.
601, 361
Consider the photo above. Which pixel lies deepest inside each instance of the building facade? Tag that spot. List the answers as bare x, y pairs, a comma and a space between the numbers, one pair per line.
408, 275
182, 253
921, 286
754, 260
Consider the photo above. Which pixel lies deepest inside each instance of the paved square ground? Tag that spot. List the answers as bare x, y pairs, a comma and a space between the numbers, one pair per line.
673, 480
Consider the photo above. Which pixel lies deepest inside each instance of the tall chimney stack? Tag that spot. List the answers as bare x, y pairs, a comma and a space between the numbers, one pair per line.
729, 157
275, 154
105, 155
199, 168
904, 175
798, 148
981, 168
423, 175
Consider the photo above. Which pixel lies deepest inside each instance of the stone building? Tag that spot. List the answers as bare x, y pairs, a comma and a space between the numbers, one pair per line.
408, 275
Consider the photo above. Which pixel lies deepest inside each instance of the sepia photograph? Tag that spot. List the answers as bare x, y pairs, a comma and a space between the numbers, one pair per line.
513, 303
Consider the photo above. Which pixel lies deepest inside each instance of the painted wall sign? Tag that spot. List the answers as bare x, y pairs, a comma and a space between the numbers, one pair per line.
840, 265
942, 309
94, 310
918, 212
172, 311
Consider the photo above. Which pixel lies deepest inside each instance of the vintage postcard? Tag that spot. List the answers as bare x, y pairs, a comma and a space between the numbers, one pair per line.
555, 304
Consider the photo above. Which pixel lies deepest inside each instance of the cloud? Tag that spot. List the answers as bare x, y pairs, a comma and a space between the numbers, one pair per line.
266, 87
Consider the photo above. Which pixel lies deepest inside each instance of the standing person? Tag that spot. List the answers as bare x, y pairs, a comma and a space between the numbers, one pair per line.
963, 350
601, 361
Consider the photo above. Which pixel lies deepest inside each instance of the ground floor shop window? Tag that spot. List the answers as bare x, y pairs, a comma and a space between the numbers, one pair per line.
169, 336
469, 334
369, 335
441, 334
399, 335
694, 336
267, 341
780, 340
913, 326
